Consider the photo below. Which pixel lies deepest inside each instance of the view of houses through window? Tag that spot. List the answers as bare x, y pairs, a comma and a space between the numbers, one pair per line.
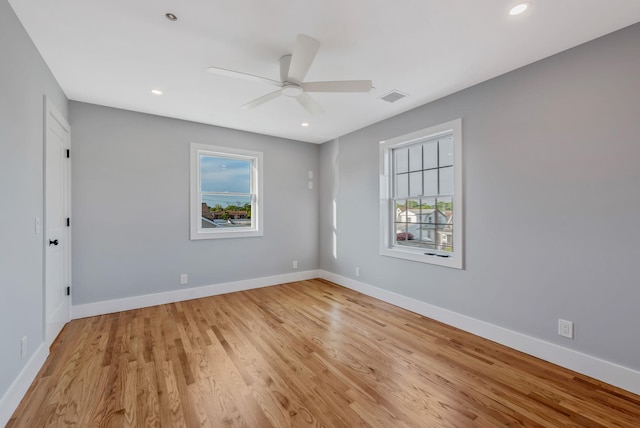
423, 194
425, 223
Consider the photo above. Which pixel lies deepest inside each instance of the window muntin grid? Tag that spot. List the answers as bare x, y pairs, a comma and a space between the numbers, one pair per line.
423, 187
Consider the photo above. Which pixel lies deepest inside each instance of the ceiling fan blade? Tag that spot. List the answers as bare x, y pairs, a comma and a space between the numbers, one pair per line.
338, 86
303, 54
285, 62
309, 104
261, 100
237, 74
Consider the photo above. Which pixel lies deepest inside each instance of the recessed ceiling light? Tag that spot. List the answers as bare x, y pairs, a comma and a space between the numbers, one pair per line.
518, 9
156, 92
171, 16
305, 124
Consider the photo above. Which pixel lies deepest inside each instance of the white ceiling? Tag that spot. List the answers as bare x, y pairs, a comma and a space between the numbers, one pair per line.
114, 52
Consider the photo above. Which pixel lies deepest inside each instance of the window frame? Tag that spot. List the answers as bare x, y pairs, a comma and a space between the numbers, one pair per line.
256, 191
387, 206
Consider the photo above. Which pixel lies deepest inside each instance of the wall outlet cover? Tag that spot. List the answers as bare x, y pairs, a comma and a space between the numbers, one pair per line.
565, 328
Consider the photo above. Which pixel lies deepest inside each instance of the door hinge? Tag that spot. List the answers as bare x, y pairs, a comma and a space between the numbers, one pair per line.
68, 153
68, 222
68, 291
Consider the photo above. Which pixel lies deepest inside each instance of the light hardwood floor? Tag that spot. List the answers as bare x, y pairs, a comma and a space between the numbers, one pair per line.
308, 353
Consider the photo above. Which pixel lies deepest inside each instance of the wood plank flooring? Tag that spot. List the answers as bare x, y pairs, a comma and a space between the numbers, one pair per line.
303, 354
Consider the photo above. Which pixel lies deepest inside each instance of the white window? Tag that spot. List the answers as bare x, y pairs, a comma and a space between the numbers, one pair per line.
421, 195
226, 192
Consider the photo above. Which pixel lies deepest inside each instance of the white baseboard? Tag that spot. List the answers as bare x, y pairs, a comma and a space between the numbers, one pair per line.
605, 371
622, 377
136, 302
10, 400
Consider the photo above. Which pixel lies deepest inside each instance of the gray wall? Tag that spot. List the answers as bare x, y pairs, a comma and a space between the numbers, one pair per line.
552, 193
24, 79
130, 178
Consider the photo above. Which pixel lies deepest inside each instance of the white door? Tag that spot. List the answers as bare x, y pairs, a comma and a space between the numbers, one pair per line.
57, 205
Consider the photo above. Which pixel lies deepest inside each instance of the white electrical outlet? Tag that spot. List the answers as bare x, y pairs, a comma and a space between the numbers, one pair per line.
565, 328
23, 347
295, 264
310, 174
311, 185
357, 271
184, 279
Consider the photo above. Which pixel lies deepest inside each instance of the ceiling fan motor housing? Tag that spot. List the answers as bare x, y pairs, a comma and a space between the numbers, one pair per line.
291, 89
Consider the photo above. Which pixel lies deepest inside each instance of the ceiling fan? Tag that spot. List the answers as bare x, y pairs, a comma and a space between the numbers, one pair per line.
293, 69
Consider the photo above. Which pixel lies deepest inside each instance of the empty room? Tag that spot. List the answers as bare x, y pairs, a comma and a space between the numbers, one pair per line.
330, 214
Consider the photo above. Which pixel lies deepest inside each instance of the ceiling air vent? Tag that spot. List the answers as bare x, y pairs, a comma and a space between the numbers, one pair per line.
393, 96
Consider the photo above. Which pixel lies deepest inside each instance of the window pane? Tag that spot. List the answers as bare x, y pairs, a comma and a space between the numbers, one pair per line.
415, 158
415, 183
430, 182
219, 174
445, 238
399, 207
402, 185
428, 203
418, 233
226, 211
428, 216
412, 212
404, 216
403, 236
430, 155
402, 213
426, 239
402, 160
445, 210
413, 231
446, 180
446, 151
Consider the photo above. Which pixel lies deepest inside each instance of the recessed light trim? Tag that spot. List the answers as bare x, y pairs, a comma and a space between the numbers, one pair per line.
156, 92
305, 124
171, 17
518, 9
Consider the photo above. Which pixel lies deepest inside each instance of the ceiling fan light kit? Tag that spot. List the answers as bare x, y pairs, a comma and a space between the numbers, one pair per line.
291, 89
293, 69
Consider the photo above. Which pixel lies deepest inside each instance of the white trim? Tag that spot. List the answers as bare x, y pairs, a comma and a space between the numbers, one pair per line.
53, 323
136, 302
257, 187
605, 371
386, 173
52, 330
10, 400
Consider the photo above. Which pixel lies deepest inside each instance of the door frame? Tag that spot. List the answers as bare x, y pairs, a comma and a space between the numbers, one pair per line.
51, 330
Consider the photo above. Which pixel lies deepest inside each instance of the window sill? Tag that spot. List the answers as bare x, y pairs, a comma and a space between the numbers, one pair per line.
219, 234
420, 256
